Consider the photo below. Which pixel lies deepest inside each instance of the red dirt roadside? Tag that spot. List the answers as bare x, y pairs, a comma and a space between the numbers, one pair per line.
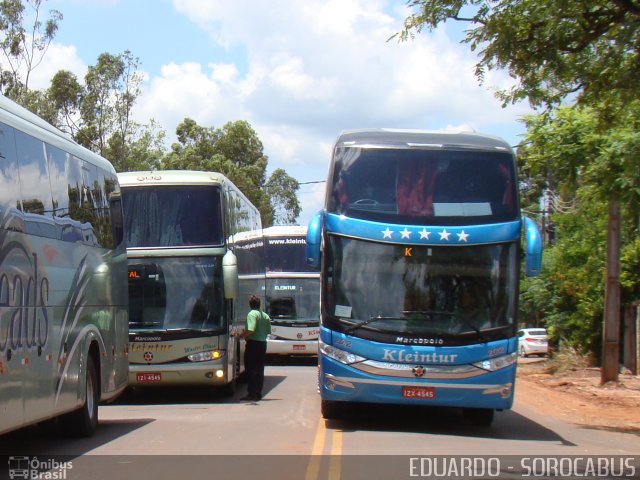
576, 396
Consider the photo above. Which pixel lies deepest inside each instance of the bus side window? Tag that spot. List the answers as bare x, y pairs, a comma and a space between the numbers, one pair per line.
65, 171
34, 175
10, 204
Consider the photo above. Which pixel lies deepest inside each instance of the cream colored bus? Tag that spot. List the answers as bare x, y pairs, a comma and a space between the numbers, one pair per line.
185, 297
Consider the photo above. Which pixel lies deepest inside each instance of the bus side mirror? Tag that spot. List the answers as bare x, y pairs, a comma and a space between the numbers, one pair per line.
314, 239
533, 248
230, 275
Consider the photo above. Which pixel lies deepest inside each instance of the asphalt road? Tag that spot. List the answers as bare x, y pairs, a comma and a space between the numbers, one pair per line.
190, 433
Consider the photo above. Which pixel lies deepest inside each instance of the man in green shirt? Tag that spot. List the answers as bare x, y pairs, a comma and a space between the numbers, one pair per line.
257, 329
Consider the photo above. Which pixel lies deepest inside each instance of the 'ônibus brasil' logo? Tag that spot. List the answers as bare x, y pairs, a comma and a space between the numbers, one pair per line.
24, 294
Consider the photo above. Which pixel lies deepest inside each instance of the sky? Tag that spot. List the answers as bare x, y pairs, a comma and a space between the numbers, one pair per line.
299, 71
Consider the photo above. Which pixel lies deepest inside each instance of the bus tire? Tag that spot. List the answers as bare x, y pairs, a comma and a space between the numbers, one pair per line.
84, 421
330, 409
480, 416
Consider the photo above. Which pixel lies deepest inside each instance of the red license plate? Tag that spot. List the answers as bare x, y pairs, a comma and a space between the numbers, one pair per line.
418, 392
148, 377
299, 347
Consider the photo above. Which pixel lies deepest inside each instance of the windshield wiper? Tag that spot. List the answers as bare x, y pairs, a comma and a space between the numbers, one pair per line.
411, 315
449, 314
475, 329
371, 319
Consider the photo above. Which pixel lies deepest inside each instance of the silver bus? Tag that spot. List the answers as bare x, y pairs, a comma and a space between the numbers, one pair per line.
185, 295
63, 270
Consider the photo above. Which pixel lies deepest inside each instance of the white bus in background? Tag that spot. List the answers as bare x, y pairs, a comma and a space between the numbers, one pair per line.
292, 292
184, 291
63, 296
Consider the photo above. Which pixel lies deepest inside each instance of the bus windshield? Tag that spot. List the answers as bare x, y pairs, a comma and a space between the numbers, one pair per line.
175, 293
287, 254
423, 186
172, 216
293, 300
420, 291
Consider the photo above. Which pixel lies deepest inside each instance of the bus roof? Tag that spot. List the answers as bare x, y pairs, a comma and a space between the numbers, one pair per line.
173, 177
392, 138
28, 122
285, 230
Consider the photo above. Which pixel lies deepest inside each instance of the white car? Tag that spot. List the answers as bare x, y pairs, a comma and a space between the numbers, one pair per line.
532, 341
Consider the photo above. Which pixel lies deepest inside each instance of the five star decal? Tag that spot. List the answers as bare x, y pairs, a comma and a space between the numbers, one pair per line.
424, 234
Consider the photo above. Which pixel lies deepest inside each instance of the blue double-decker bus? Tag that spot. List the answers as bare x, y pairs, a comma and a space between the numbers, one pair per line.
420, 245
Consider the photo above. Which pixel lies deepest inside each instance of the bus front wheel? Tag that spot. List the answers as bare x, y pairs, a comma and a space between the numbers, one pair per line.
479, 416
330, 409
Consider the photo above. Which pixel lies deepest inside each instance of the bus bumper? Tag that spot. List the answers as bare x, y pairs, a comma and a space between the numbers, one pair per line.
201, 373
292, 347
340, 382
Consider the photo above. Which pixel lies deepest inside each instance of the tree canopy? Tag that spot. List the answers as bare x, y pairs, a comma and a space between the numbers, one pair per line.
583, 165
236, 151
553, 48
24, 46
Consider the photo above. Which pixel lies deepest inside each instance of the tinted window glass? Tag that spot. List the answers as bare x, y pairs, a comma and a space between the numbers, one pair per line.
424, 186
65, 174
447, 291
34, 175
172, 216
10, 205
176, 292
66, 178
287, 254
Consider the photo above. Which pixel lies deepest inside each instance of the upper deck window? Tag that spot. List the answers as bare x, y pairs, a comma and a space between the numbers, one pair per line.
286, 254
172, 216
444, 187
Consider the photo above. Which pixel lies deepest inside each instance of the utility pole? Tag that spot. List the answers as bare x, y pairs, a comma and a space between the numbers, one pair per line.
611, 322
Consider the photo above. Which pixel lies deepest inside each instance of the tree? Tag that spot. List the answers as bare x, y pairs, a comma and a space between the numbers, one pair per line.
142, 150
585, 164
111, 89
23, 49
556, 50
235, 150
553, 48
195, 148
64, 95
281, 189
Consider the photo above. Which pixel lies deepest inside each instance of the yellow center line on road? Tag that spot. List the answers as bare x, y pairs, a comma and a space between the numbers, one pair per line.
335, 461
317, 453
313, 469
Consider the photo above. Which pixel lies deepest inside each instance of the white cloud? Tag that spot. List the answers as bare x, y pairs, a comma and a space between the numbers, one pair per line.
317, 67
311, 69
56, 58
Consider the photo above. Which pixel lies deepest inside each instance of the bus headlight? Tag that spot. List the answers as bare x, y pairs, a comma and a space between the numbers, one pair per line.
493, 364
205, 356
341, 356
